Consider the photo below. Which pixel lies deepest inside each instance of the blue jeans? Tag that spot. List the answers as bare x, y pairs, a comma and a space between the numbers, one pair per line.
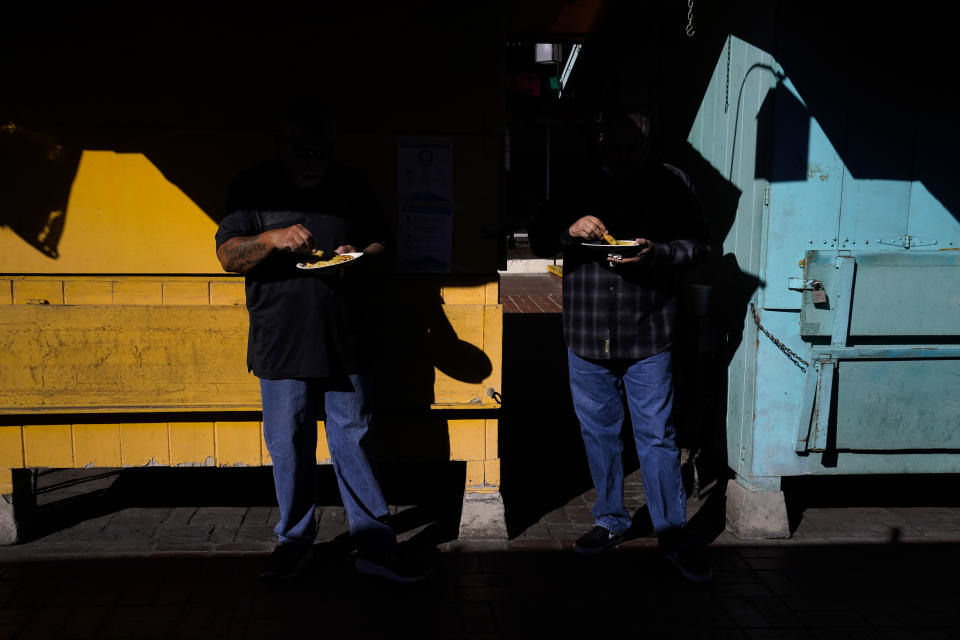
598, 389
291, 409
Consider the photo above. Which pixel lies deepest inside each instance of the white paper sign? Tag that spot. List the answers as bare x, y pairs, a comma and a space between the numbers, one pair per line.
424, 238
425, 171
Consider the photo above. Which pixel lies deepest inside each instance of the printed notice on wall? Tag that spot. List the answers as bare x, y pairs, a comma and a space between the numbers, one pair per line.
425, 170
424, 238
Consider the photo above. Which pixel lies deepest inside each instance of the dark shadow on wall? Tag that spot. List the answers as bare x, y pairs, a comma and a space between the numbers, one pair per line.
38, 167
713, 299
783, 137
410, 340
36, 175
178, 88
874, 82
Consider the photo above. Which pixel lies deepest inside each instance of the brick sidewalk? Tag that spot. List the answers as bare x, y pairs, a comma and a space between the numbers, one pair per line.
877, 568
531, 293
486, 591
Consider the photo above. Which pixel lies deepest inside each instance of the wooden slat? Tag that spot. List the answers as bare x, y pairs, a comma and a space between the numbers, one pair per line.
227, 293
491, 473
192, 444
38, 291
113, 358
11, 447
6, 291
492, 428
48, 445
96, 445
237, 444
87, 292
465, 293
474, 480
186, 293
138, 292
467, 439
144, 444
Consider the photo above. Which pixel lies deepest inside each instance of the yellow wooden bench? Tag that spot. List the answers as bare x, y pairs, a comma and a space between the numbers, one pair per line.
123, 371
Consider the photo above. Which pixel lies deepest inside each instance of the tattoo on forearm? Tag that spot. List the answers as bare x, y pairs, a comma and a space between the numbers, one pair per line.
245, 255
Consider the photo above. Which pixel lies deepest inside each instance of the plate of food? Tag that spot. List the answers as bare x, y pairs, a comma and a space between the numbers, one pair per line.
336, 260
609, 244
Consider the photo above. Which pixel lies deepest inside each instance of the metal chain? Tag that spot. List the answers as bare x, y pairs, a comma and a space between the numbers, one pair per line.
726, 102
797, 360
690, 29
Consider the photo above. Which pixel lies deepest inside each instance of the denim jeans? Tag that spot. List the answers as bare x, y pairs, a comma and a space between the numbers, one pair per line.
598, 389
291, 409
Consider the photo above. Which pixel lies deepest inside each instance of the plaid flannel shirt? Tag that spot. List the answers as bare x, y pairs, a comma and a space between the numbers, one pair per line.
623, 311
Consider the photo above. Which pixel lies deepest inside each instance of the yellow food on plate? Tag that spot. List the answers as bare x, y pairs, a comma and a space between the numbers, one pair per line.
326, 263
611, 240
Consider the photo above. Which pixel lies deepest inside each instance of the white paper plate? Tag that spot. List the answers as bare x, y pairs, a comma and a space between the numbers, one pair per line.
324, 264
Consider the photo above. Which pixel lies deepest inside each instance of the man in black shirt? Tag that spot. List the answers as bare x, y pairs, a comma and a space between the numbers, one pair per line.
619, 317
305, 342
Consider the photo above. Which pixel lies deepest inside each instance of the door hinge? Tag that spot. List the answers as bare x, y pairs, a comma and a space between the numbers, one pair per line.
906, 241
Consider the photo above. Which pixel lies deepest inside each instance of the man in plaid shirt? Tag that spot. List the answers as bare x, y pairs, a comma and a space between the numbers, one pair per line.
619, 317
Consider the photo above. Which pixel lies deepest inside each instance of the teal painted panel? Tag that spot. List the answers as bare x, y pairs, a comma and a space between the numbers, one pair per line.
778, 397
874, 211
935, 156
741, 390
876, 186
779, 391
805, 197
724, 133
862, 462
915, 293
898, 404
931, 221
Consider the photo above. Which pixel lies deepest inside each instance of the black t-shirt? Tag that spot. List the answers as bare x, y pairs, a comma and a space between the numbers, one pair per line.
304, 324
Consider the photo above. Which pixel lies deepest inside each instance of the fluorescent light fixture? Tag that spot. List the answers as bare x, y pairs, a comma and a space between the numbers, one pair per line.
568, 67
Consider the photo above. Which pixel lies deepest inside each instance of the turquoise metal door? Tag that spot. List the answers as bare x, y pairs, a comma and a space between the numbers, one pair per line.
880, 385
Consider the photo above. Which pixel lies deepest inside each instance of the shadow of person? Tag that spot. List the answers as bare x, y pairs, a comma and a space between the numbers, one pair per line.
543, 462
36, 174
710, 338
411, 338
420, 363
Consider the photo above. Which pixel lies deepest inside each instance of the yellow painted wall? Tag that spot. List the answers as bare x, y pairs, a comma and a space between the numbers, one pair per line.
123, 216
132, 346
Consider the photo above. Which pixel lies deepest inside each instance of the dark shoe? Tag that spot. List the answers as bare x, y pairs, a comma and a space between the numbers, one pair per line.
401, 565
690, 559
597, 540
286, 561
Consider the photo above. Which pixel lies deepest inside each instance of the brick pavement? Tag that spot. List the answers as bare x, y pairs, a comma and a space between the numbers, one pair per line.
860, 564
530, 293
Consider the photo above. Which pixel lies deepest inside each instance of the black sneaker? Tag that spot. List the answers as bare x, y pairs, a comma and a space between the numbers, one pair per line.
400, 565
690, 560
286, 561
597, 540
